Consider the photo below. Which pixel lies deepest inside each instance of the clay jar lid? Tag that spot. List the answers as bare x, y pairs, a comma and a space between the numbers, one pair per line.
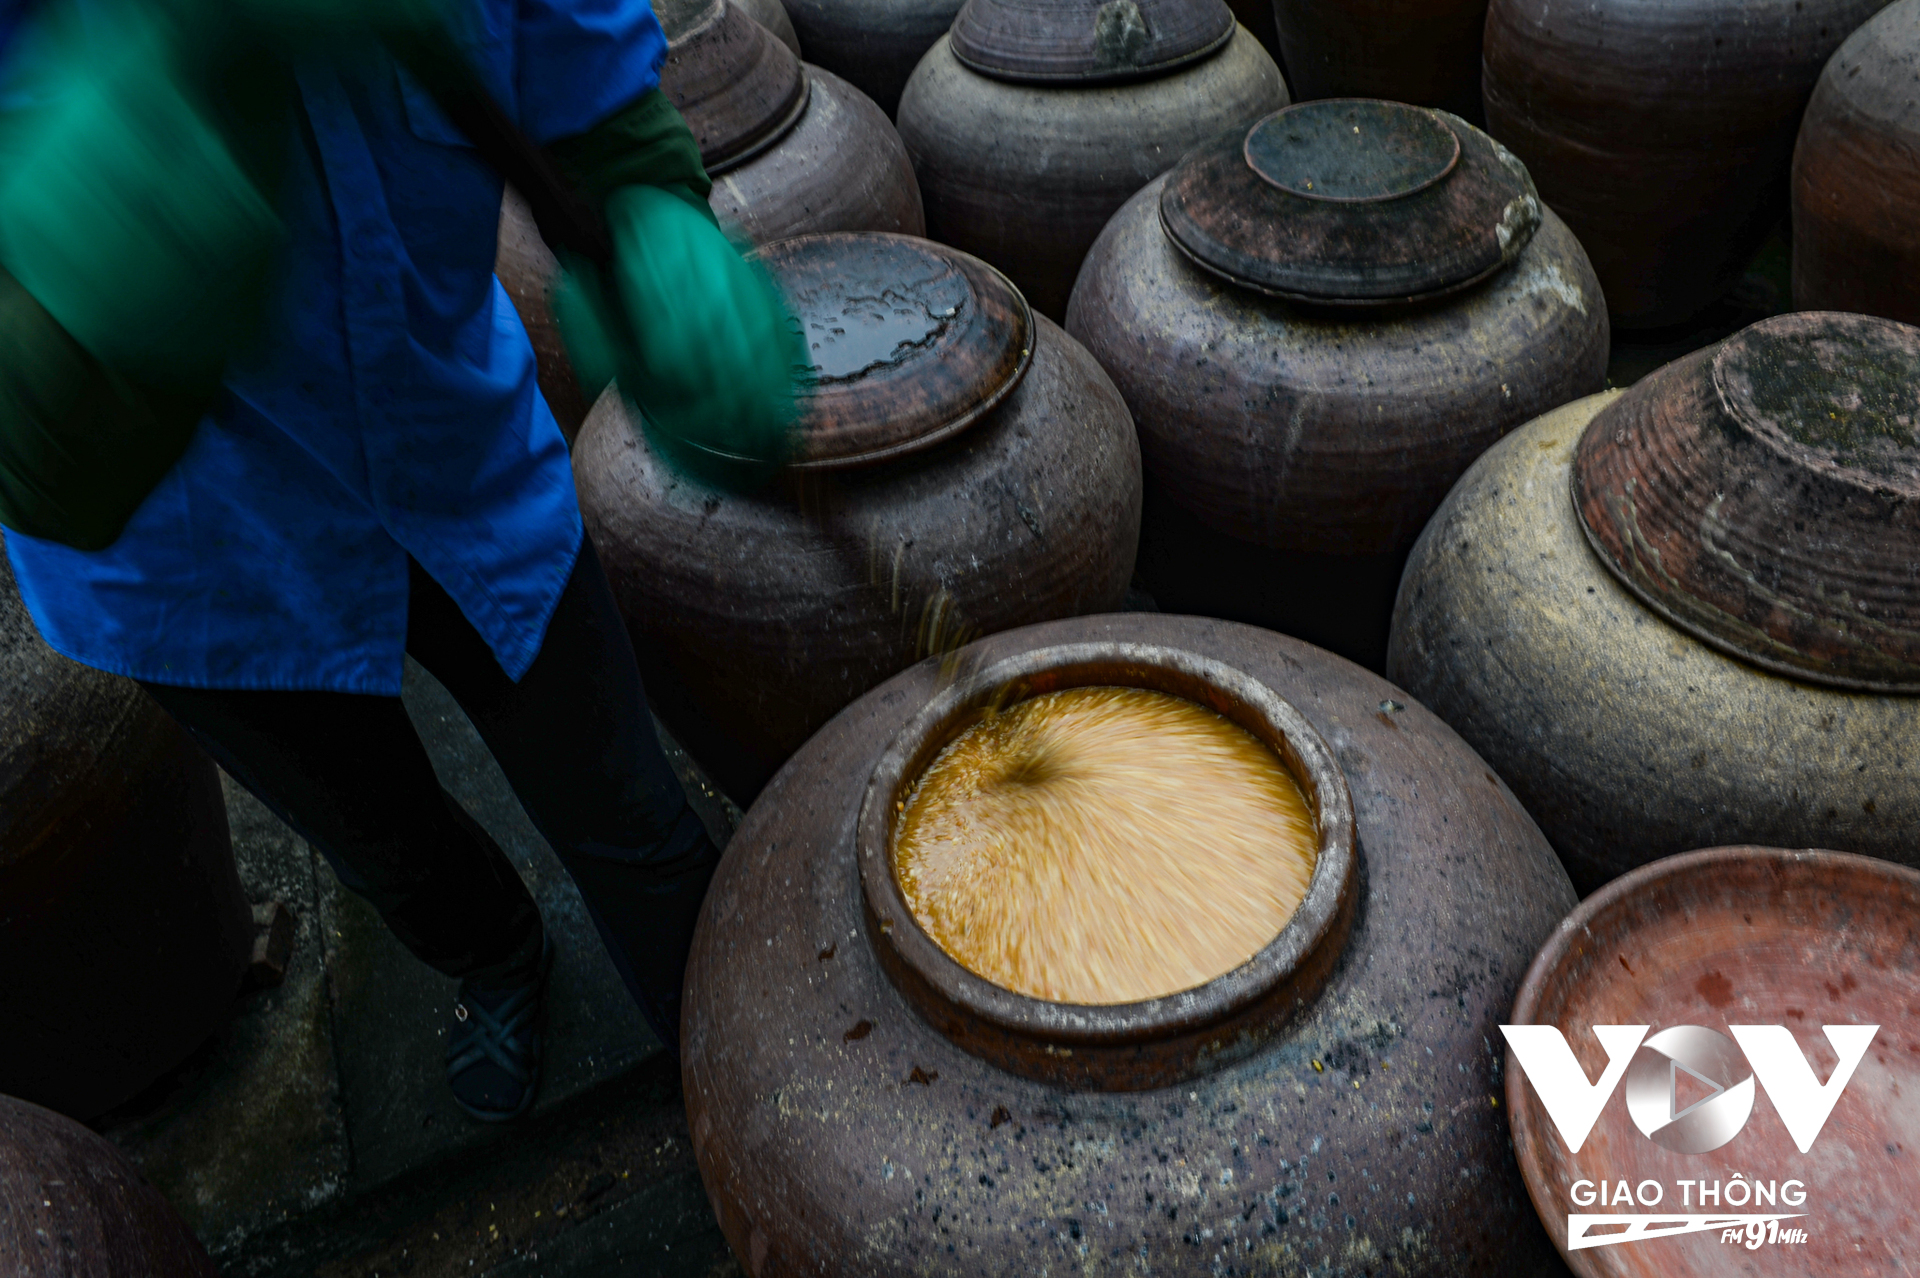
1118, 1046
911, 342
1352, 202
1689, 947
1087, 41
739, 87
1764, 496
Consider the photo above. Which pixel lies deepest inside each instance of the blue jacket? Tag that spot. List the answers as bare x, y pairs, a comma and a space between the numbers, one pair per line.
392, 412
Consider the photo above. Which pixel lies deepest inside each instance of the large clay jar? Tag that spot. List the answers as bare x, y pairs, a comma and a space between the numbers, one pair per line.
791, 149
1856, 181
967, 468
1710, 955
123, 929
1318, 324
773, 15
1426, 53
1030, 127
863, 1105
1662, 133
1686, 615
873, 44
74, 1205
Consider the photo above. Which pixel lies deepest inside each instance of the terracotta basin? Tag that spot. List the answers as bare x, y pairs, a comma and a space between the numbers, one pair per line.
1734, 936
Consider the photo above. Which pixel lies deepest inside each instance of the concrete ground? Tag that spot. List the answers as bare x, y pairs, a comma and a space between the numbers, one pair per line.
315, 1134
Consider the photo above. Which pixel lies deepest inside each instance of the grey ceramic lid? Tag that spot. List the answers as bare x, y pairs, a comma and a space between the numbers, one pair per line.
739, 88
1764, 496
1087, 41
1352, 202
911, 342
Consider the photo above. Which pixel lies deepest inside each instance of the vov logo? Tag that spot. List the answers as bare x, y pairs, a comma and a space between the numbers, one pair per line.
1652, 1069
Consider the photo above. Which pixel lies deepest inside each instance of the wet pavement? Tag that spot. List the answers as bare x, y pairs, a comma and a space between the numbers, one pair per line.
315, 1134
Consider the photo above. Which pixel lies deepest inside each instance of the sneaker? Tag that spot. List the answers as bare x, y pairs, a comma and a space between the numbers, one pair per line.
494, 1044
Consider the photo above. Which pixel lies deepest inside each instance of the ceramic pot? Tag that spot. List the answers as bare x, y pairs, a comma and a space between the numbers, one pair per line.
123, 929
1427, 53
1028, 129
1855, 183
967, 468
860, 1104
773, 15
1762, 939
872, 44
1300, 418
75, 1205
791, 149
1684, 616
1662, 133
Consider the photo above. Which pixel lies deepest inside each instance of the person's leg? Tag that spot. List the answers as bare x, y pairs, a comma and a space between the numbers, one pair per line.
577, 744
349, 775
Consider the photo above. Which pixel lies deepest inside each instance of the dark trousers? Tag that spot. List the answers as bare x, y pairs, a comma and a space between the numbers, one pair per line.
347, 772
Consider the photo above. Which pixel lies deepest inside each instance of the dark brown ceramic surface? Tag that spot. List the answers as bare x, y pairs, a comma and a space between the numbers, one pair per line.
1025, 176
1741, 936
1116, 1047
910, 343
1764, 495
123, 928
739, 88
1426, 52
838, 1132
1087, 41
1662, 133
1352, 202
772, 15
756, 618
1856, 240
75, 1206
841, 168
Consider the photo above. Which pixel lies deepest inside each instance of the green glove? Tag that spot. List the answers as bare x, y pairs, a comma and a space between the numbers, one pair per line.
132, 215
136, 234
697, 337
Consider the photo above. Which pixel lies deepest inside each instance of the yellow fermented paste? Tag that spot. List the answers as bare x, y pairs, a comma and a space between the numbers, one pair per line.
1104, 845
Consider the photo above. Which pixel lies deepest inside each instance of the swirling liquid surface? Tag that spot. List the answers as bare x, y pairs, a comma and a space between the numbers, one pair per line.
1104, 845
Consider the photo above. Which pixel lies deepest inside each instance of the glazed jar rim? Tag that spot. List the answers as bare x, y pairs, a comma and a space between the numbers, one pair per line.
1318, 920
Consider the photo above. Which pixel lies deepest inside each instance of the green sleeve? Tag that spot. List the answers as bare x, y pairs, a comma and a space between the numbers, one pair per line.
646, 143
80, 446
